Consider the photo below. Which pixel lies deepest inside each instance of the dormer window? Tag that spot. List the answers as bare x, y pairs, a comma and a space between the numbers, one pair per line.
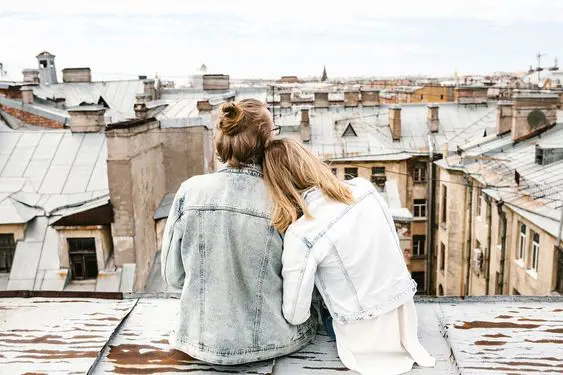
349, 131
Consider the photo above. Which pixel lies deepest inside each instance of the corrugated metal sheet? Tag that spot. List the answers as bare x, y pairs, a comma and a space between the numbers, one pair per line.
496, 335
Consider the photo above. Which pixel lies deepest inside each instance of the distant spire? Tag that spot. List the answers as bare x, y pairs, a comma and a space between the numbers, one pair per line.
324, 76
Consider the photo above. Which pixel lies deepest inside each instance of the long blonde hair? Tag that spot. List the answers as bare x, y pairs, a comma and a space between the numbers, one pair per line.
289, 170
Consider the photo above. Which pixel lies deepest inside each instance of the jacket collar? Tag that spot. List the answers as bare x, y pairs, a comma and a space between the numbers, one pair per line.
251, 169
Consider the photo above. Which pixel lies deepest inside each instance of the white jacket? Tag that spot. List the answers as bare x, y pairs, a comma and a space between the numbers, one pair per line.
350, 252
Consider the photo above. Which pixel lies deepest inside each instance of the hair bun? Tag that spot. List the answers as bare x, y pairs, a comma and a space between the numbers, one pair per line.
231, 118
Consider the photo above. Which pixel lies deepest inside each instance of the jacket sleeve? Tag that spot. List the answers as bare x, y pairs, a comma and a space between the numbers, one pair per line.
298, 272
172, 267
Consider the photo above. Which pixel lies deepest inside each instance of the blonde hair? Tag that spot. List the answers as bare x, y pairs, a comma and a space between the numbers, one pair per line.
289, 170
243, 130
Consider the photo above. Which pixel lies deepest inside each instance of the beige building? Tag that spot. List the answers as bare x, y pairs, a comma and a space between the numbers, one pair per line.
499, 209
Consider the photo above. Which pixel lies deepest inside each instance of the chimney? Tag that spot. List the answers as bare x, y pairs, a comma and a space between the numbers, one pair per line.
149, 88
395, 122
351, 98
285, 99
321, 99
304, 127
504, 117
87, 119
204, 106
74, 75
27, 95
433, 118
370, 97
31, 76
533, 112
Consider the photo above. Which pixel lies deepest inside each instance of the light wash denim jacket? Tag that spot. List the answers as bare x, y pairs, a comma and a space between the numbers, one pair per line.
221, 250
350, 252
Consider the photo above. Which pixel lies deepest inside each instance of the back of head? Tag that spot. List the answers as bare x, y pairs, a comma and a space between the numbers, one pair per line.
243, 130
289, 170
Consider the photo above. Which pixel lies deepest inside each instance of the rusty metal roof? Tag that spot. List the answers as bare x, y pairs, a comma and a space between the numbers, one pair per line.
76, 335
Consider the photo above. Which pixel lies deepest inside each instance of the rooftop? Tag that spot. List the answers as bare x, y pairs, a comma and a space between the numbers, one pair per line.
128, 335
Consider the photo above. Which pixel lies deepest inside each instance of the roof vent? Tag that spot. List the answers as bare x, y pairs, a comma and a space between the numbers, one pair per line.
547, 154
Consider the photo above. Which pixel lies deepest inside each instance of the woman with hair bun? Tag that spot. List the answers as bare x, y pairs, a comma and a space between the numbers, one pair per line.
220, 248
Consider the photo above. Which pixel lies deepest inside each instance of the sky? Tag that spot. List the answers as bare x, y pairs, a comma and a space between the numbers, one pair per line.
121, 39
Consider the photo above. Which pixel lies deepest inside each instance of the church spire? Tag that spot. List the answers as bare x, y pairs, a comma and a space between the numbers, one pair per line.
324, 77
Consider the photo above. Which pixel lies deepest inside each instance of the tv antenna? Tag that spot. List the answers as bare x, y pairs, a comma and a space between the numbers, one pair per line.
539, 68
3, 73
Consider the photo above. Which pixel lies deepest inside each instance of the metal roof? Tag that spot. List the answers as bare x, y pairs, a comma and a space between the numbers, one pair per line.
478, 335
458, 125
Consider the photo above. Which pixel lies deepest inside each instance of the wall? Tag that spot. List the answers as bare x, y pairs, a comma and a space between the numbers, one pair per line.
527, 282
136, 176
18, 230
187, 152
451, 233
433, 94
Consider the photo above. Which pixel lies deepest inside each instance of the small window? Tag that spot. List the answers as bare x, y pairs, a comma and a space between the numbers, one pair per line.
442, 257
440, 290
349, 131
441, 97
523, 242
421, 97
83, 263
444, 204
419, 208
535, 251
43, 63
350, 173
419, 172
418, 243
419, 278
334, 171
479, 203
377, 170
7, 252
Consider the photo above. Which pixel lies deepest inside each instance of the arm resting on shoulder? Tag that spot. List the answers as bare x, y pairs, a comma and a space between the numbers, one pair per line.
298, 272
173, 272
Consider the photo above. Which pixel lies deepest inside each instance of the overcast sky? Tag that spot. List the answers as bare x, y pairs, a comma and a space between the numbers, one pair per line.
121, 39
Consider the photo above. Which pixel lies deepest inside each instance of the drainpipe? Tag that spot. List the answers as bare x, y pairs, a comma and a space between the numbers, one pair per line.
430, 220
489, 240
503, 223
469, 237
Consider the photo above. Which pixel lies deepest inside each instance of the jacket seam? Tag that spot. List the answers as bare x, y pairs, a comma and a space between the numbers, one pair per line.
260, 297
346, 274
164, 278
201, 279
227, 208
300, 284
337, 219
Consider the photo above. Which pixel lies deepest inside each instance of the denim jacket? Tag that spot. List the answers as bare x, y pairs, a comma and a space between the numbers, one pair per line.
350, 252
219, 247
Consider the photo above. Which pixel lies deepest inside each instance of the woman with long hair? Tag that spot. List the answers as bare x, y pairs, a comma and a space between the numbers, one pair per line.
340, 237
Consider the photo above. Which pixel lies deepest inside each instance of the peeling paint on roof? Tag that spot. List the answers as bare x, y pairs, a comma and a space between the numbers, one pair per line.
489, 335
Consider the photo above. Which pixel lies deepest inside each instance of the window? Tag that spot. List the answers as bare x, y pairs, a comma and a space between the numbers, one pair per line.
497, 283
479, 203
334, 171
535, 251
350, 173
559, 273
419, 278
378, 176
419, 208
523, 242
43, 63
440, 290
7, 252
442, 257
421, 97
83, 263
444, 204
419, 173
441, 97
418, 242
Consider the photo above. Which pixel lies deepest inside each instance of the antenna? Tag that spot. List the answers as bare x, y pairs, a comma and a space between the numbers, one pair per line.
2, 72
539, 68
